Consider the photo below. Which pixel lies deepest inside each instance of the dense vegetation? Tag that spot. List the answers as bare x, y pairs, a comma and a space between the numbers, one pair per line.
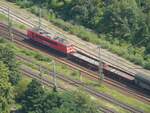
7, 56
9, 77
123, 26
6, 97
37, 100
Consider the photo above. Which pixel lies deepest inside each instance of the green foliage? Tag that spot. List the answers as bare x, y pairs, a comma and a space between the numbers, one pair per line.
24, 3
78, 102
87, 12
21, 87
35, 100
36, 55
6, 89
22, 26
32, 96
2, 40
42, 58
8, 58
34, 9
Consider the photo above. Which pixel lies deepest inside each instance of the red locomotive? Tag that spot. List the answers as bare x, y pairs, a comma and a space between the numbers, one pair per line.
51, 39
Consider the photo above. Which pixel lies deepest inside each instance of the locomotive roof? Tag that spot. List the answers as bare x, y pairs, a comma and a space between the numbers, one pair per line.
53, 36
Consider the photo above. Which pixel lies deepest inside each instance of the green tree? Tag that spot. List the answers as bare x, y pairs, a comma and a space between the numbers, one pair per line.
8, 58
68, 102
52, 102
78, 102
87, 12
6, 90
144, 5
32, 97
36, 100
120, 19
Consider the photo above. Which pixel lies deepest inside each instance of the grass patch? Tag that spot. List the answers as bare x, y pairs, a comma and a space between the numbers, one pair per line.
17, 25
22, 85
129, 100
2, 17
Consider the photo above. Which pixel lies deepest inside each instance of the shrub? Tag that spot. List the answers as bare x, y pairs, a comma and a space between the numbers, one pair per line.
34, 10
22, 26
138, 60
41, 57
147, 64
2, 40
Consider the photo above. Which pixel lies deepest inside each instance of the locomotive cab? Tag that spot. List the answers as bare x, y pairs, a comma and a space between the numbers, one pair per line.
70, 49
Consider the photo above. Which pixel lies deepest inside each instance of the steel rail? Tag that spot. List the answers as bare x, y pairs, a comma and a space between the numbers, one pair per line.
50, 84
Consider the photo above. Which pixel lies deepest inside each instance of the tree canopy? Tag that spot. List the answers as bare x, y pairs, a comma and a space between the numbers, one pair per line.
9, 77
37, 100
32, 97
6, 89
8, 58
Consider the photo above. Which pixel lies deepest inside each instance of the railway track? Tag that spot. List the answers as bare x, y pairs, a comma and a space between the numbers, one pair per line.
48, 83
91, 74
22, 37
88, 89
31, 24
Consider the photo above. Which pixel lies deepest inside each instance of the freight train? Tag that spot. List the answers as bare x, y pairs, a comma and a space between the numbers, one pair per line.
59, 43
